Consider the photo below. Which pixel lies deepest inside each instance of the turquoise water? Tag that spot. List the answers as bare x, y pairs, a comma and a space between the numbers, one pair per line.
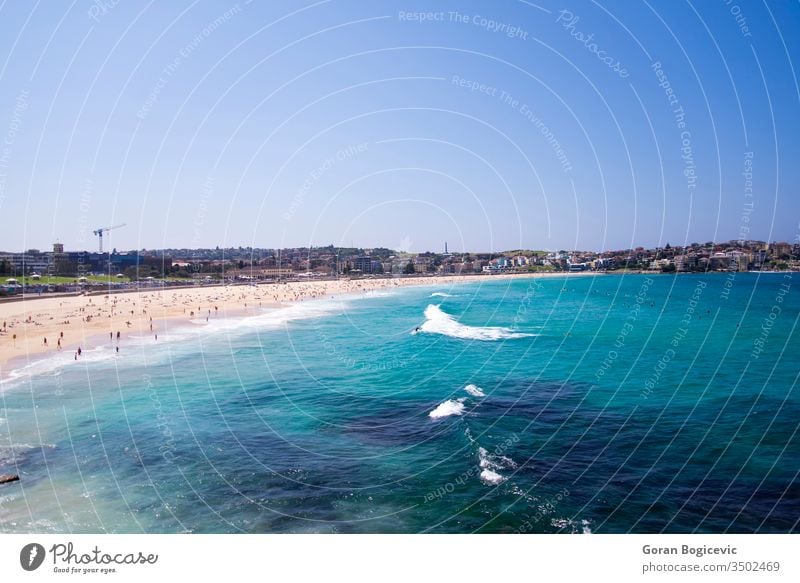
599, 404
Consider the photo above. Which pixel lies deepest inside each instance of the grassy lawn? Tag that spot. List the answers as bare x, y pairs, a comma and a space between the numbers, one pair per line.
61, 280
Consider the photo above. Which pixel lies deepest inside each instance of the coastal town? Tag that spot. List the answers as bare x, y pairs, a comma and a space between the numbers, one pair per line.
60, 270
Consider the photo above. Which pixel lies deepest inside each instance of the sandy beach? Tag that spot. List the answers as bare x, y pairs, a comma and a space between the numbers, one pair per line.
38, 326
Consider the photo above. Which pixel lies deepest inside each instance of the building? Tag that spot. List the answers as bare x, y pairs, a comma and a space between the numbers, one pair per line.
780, 249
70, 263
367, 265
277, 272
27, 263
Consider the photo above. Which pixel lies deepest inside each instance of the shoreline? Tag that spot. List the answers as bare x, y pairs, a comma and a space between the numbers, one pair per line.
132, 312
83, 321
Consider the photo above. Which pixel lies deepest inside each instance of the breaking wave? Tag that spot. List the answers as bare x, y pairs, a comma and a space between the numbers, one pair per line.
475, 391
450, 407
439, 322
491, 464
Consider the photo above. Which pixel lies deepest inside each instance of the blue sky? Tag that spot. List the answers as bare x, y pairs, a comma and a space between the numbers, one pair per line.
489, 125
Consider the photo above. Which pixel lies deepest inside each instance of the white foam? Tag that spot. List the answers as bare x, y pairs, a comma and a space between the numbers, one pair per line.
449, 407
468, 435
485, 462
482, 461
491, 477
375, 293
475, 391
498, 462
440, 295
53, 364
271, 318
574, 525
438, 322
490, 464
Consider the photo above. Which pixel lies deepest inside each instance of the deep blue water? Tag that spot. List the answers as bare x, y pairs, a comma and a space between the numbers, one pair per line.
610, 404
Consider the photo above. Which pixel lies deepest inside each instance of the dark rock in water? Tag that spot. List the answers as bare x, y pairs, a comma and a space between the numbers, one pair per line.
4, 478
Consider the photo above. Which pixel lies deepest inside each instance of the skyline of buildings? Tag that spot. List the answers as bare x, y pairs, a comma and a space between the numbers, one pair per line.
328, 261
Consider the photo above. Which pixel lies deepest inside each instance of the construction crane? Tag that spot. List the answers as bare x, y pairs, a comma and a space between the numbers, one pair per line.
99, 232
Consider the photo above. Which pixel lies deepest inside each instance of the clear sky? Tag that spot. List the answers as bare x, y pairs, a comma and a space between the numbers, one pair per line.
489, 125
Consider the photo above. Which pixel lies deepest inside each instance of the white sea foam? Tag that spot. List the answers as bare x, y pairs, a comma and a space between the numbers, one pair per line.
491, 464
475, 391
496, 462
449, 407
52, 365
271, 318
440, 295
439, 322
574, 525
491, 477
485, 462
374, 293
468, 435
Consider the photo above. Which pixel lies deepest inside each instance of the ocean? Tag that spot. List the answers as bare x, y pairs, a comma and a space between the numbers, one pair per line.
593, 404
